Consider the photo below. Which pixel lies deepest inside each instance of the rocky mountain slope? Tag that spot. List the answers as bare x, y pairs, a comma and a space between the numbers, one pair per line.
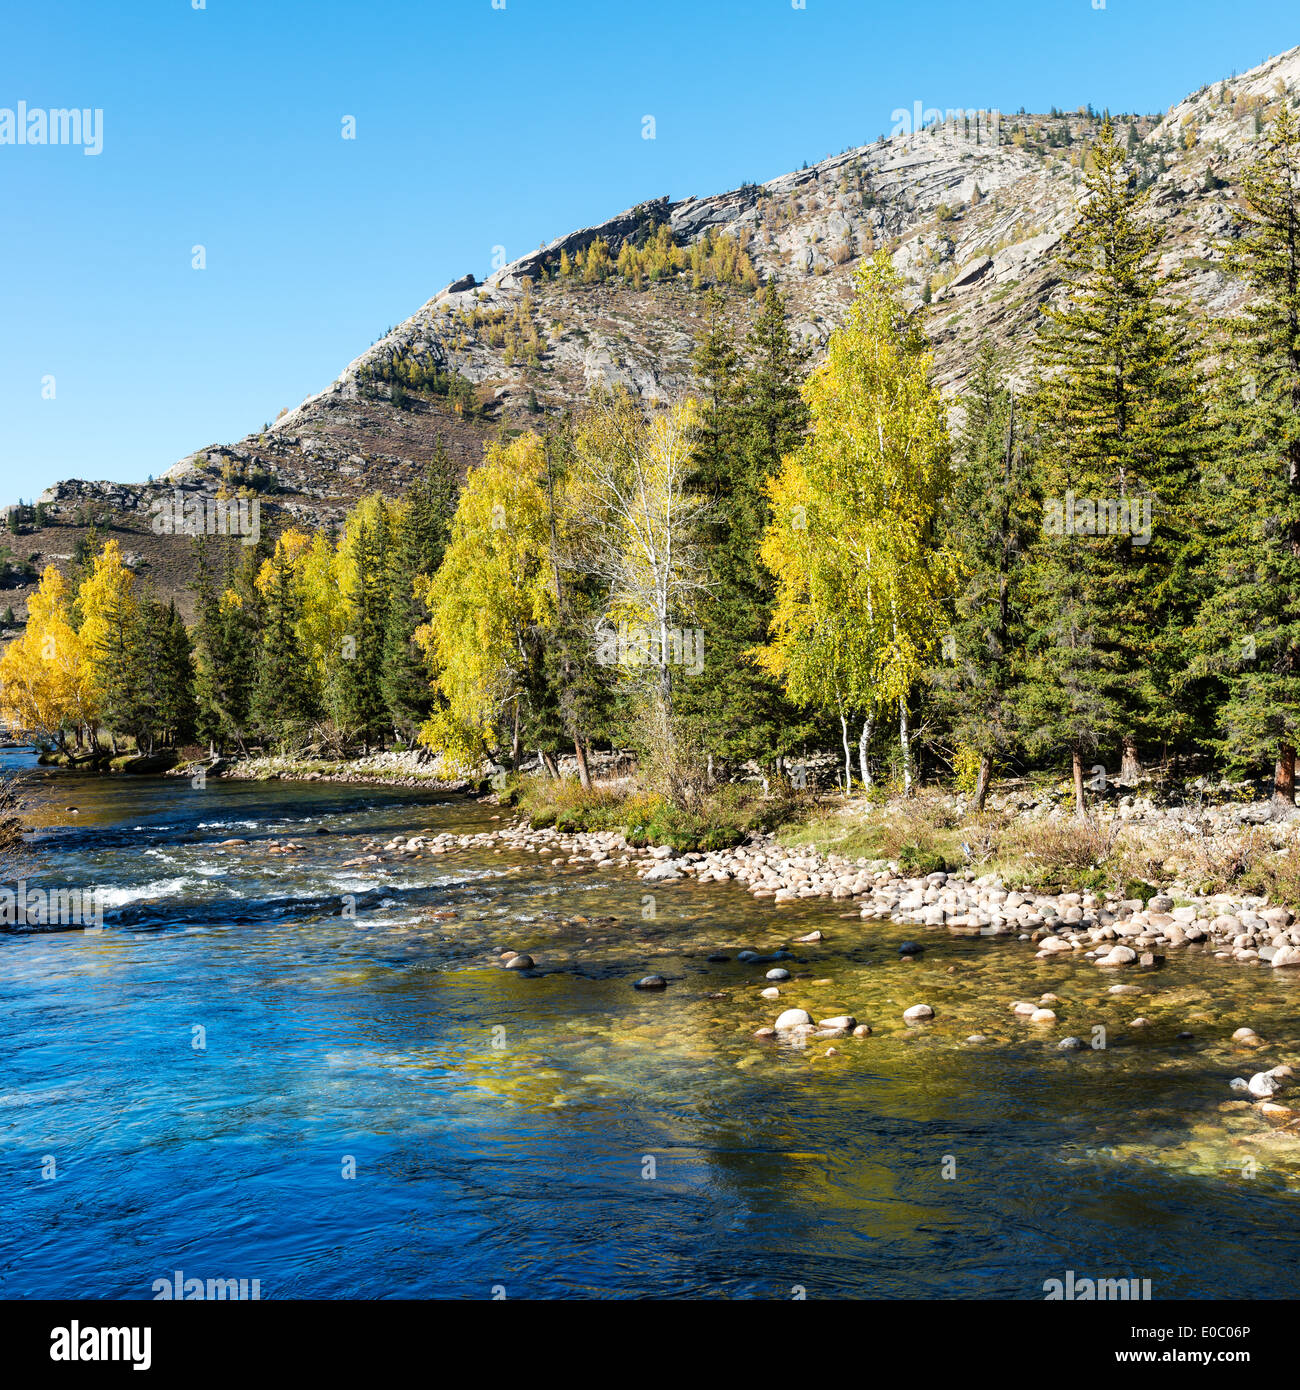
972, 222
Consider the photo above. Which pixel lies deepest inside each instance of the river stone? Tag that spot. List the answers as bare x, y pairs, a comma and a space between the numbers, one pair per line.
772, 993
863, 1030
1246, 1036
663, 872
651, 982
1042, 1016
793, 1018
917, 1013
1286, 956
1070, 1045
777, 973
1263, 1084
1050, 945
520, 962
809, 938
747, 957
910, 948
1118, 955
845, 1021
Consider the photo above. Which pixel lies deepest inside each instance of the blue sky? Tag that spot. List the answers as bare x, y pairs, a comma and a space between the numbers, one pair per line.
476, 127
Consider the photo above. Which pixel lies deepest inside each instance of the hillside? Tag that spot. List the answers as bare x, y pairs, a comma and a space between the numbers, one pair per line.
971, 223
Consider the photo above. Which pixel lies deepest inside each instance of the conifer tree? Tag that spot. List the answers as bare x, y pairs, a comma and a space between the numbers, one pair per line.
990, 520
1250, 622
283, 700
1118, 416
363, 698
418, 545
753, 415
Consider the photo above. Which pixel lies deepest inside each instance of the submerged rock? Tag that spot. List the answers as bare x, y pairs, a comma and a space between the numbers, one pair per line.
651, 982
1071, 1045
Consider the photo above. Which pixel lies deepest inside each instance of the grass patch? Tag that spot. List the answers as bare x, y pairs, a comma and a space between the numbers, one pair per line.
729, 815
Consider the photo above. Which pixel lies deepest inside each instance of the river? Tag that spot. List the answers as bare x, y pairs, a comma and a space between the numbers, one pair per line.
235, 1079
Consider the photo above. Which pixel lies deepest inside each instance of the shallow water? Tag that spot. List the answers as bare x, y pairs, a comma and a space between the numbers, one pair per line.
504, 1127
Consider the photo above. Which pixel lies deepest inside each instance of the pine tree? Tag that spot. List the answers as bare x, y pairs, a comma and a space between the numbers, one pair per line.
753, 416
1118, 415
227, 641
406, 681
1250, 623
283, 701
363, 698
991, 517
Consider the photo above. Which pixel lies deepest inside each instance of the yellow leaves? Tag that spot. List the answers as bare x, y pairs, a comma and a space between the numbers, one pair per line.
43, 674
106, 602
290, 549
859, 582
494, 584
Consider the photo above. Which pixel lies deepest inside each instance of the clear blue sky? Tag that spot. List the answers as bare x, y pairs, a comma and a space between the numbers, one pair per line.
476, 127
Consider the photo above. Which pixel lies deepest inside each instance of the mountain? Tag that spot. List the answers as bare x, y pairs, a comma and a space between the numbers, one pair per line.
972, 222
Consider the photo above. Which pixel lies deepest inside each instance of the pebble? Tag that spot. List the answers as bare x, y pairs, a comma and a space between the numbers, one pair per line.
918, 1013
777, 973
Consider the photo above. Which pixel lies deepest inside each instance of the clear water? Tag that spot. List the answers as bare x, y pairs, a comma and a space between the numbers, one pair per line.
502, 1126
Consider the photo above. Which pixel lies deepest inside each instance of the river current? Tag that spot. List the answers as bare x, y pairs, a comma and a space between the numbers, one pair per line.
286, 1068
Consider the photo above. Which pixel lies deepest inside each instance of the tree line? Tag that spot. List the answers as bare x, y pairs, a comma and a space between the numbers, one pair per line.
1101, 561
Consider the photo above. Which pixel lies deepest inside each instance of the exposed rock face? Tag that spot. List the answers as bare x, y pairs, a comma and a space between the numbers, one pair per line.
977, 223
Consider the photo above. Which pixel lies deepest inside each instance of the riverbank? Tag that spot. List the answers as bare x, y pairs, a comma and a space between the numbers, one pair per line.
403, 768
1107, 930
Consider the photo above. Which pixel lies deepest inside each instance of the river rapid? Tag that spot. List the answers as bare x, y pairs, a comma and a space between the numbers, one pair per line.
286, 1068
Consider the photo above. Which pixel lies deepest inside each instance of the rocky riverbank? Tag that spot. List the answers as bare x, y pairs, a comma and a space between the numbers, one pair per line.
1107, 930
398, 768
